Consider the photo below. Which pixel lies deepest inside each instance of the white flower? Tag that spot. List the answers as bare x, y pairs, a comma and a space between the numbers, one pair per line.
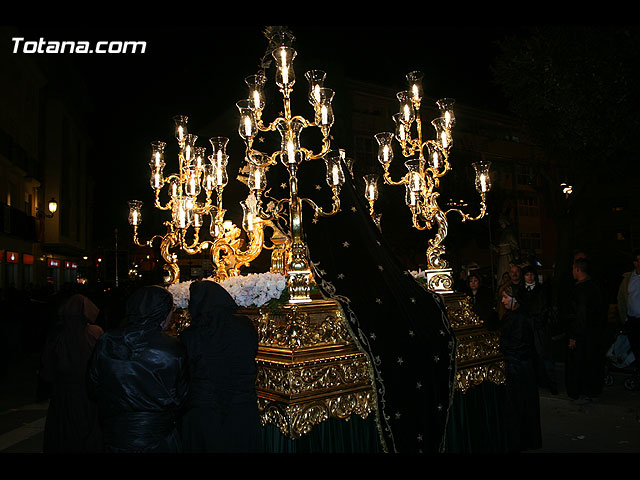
251, 290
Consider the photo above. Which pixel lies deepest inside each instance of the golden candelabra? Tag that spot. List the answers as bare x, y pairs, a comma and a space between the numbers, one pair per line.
197, 178
291, 154
428, 162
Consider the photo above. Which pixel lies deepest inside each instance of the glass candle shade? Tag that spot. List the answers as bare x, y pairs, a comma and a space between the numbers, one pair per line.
285, 76
219, 145
199, 157
179, 213
192, 183
446, 111
435, 157
371, 186
256, 90
483, 179
208, 178
406, 110
135, 215
335, 175
385, 150
180, 122
324, 110
175, 190
316, 82
157, 155
248, 216
401, 129
189, 148
415, 85
219, 164
411, 197
194, 215
247, 126
443, 134
156, 179
290, 141
415, 181
257, 177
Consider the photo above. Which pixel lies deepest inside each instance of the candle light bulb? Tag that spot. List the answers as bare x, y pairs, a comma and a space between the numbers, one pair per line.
291, 152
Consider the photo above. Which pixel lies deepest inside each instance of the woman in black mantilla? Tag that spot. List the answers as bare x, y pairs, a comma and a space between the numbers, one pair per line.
140, 377
222, 410
522, 408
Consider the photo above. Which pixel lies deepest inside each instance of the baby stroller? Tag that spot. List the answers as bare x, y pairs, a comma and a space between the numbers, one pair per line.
621, 358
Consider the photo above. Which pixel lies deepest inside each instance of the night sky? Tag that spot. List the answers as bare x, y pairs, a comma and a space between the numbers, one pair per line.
200, 72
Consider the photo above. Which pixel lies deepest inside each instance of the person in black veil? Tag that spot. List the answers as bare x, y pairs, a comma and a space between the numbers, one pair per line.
139, 374
72, 418
522, 407
222, 408
402, 326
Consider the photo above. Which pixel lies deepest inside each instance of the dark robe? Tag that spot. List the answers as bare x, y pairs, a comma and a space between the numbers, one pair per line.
482, 303
402, 326
222, 409
140, 378
72, 418
587, 321
522, 403
537, 302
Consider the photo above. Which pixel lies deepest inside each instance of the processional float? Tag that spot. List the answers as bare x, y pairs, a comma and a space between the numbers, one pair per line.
310, 368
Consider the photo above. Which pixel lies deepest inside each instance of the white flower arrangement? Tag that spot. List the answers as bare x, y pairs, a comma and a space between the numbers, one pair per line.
250, 291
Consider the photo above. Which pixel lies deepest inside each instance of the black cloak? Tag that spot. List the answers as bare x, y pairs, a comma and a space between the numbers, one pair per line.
140, 378
402, 326
222, 409
72, 417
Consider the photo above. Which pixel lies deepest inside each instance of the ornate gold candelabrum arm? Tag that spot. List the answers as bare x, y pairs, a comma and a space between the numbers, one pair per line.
425, 171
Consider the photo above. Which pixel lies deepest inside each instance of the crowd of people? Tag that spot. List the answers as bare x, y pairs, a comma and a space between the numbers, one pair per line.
135, 388
128, 386
526, 318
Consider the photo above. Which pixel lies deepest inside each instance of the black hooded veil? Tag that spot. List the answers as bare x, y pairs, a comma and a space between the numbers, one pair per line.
222, 409
140, 377
72, 417
403, 327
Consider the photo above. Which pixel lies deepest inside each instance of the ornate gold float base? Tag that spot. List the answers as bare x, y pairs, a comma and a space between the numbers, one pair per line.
478, 357
309, 368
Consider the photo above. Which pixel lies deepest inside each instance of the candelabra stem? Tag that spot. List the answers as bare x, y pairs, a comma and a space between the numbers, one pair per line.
299, 273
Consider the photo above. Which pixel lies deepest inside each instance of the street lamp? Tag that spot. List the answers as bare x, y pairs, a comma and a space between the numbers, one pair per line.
52, 207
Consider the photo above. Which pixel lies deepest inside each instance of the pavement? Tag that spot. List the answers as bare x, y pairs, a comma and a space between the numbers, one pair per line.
609, 424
